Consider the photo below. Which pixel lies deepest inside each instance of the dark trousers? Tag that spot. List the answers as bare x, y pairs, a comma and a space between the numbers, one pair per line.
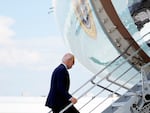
72, 109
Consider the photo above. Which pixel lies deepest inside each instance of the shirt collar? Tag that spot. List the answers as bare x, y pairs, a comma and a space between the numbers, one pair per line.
65, 65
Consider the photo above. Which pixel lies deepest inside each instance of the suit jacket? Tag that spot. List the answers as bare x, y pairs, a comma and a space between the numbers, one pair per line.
59, 96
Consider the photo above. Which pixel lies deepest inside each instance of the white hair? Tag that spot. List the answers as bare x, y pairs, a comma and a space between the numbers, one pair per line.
67, 57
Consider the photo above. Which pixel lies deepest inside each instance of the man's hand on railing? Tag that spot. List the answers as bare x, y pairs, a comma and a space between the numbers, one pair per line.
73, 100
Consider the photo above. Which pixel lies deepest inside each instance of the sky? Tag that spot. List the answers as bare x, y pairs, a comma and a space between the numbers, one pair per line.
30, 48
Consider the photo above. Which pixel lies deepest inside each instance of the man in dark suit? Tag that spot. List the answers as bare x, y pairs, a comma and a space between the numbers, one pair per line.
59, 96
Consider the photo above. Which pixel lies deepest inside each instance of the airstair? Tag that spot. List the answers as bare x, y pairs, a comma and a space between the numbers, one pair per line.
123, 92
135, 100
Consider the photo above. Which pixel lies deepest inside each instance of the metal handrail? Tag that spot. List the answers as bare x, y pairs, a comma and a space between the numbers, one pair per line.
106, 88
128, 81
114, 82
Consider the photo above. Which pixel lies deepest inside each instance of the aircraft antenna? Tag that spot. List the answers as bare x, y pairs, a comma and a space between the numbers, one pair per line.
51, 10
